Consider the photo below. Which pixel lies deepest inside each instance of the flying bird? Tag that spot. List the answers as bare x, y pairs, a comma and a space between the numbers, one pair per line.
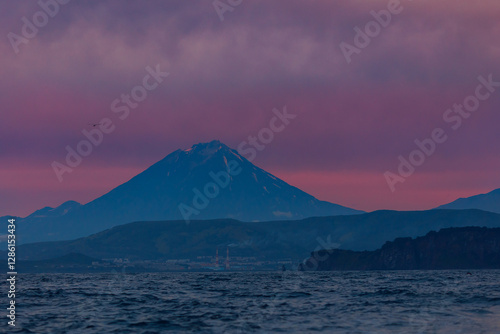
94, 124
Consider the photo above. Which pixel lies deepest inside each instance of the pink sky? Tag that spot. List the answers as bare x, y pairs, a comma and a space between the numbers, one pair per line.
353, 122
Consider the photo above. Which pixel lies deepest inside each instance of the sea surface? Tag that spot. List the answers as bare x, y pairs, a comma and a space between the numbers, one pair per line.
258, 302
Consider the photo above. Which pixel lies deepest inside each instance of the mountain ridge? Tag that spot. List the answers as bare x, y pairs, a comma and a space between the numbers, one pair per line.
154, 240
487, 202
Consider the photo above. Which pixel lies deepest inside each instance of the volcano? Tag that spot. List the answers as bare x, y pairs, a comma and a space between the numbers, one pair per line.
206, 181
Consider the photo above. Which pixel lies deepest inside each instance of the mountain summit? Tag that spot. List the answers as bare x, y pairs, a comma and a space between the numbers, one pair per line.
487, 202
206, 181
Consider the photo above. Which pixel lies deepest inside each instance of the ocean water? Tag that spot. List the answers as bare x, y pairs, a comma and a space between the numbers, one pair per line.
259, 302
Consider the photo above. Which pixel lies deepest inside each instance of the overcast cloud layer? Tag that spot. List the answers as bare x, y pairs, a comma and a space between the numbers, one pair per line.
353, 122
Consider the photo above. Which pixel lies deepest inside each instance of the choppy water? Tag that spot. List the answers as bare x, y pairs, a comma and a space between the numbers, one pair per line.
290, 302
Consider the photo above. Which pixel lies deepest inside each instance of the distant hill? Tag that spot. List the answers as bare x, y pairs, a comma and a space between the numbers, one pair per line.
195, 179
265, 240
49, 212
451, 248
486, 202
38, 217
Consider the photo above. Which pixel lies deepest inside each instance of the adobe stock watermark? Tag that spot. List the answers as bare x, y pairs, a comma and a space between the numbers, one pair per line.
247, 148
372, 29
30, 28
122, 107
222, 6
454, 118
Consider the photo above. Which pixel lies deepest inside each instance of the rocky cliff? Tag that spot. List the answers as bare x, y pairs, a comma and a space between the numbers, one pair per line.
450, 248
